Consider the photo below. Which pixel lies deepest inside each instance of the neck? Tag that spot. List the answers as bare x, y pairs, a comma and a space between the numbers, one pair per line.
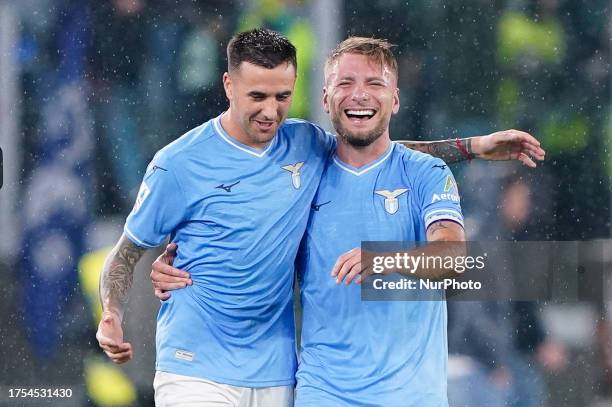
235, 131
360, 156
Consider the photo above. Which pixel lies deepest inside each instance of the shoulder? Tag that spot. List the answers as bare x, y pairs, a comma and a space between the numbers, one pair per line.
416, 162
308, 132
188, 143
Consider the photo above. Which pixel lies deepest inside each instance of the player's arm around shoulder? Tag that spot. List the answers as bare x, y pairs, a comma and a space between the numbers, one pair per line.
499, 146
115, 282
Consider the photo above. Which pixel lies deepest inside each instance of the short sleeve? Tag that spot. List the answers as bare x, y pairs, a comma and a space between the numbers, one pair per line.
160, 205
439, 194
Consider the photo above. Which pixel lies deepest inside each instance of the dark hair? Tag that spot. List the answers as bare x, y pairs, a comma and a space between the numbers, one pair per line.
261, 47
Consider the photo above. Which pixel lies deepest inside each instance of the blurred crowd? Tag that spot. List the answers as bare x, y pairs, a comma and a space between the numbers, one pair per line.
132, 75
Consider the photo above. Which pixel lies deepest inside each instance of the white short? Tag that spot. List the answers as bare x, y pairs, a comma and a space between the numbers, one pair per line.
173, 390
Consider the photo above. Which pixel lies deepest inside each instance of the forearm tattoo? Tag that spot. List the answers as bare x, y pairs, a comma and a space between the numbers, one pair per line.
447, 150
436, 226
118, 273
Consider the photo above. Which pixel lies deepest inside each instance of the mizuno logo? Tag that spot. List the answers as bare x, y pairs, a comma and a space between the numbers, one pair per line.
391, 202
294, 169
153, 169
227, 188
316, 207
440, 166
157, 167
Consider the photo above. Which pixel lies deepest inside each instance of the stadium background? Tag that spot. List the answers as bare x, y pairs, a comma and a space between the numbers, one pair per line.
90, 90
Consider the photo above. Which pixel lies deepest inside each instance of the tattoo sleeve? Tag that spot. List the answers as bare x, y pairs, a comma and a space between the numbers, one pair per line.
448, 150
118, 274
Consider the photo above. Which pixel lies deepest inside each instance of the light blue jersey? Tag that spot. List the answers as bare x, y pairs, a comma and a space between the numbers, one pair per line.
237, 215
383, 353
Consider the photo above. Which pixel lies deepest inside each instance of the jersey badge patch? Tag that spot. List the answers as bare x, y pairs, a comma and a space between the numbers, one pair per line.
391, 202
450, 185
143, 193
294, 169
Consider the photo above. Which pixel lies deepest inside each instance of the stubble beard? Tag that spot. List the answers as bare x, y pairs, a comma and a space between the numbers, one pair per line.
358, 140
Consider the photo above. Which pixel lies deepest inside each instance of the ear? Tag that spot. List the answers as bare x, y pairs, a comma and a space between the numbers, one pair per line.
396, 101
325, 100
227, 85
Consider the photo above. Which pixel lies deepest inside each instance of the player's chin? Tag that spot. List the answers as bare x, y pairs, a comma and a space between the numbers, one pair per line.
265, 136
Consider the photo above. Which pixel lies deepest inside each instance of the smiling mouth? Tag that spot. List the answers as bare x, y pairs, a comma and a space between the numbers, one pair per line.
360, 114
264, 125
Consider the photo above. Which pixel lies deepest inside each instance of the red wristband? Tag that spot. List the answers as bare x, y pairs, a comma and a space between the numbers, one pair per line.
463, 150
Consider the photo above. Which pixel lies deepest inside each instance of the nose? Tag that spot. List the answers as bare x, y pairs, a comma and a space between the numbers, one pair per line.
269, 109
359, 93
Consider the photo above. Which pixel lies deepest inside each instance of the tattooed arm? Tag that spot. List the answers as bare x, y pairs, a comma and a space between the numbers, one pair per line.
115, 282
499, 146
451, 151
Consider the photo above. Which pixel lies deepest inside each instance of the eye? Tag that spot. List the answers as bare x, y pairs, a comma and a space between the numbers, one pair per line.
282, 98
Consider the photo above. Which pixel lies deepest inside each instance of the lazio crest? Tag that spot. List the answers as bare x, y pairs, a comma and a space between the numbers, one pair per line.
391, 202
294, 169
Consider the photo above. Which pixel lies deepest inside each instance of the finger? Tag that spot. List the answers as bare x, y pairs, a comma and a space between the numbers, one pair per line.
347, 267
341, 260
524, 137
116, 347
104, 341
161, 267
525, 159
534, 151
120, 357
366, 271
162, 295
165, 278
110, 350
123, 359
338, 265
354, 272
169, 286
171, 249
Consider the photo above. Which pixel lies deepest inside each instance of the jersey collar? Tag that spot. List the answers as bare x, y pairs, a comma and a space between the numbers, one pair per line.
362, 170
240, 146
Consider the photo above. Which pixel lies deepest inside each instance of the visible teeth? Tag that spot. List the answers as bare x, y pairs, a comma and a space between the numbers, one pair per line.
360, 112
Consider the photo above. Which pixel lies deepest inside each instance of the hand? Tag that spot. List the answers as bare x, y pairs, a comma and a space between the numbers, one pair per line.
110, 338
508, 145
164, 277
349, 267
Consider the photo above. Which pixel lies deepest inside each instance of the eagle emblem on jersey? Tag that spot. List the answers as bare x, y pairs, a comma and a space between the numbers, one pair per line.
294, 169
391, 202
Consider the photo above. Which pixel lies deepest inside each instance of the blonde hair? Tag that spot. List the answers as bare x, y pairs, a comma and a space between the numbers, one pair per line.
378, 50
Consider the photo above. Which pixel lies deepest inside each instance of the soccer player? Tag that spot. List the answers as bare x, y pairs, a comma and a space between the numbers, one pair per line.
381, 353
235, 195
